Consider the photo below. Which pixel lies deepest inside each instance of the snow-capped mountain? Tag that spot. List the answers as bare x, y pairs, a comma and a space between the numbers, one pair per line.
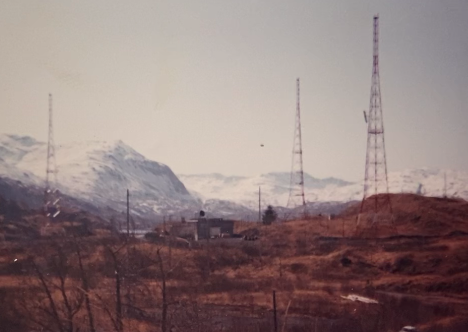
244, 190
99, 173
275, 186
424, 181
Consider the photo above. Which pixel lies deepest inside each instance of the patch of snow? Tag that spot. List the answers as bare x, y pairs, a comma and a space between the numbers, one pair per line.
409, 329
359, 298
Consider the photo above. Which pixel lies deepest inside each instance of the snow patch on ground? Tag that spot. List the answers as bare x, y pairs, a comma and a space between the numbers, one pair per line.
359, 298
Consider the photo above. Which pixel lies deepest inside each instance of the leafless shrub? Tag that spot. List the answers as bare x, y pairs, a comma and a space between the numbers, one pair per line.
299, 268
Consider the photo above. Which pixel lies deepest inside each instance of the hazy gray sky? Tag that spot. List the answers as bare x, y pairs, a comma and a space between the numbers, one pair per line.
199, 85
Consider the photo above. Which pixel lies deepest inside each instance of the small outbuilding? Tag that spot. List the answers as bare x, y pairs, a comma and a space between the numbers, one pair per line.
208, 228
204, 228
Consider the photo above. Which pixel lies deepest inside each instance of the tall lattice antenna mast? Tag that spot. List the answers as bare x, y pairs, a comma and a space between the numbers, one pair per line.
376, 180
296, 186
51, 199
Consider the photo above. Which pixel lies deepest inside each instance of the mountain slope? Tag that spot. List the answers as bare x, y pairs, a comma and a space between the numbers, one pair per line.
244, 190
275, 186
98, 172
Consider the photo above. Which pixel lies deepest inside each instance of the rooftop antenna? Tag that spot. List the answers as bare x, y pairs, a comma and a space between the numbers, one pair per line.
51, 194
296, 185
376, 179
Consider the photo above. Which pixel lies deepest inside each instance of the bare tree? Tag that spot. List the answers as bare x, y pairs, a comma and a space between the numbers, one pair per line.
57, 301
161, 262
118, 281
85, 286
51, 309
72, 300
163, 292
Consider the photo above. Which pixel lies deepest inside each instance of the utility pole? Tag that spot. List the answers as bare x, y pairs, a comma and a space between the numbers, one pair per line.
275, 320
128, 213
127, 273
445, 184
259, 205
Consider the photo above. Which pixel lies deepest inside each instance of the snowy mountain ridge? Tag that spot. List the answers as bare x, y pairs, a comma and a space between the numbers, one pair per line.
275, 186
98, 172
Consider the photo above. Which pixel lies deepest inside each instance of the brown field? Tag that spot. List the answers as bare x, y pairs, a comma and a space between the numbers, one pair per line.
415, 268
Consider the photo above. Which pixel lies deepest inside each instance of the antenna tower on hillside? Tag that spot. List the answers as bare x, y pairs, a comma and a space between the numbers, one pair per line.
51, 197
376, 180
296, 186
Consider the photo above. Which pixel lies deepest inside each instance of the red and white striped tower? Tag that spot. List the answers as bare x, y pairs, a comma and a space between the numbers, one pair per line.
376, 180
51, 195
296, 186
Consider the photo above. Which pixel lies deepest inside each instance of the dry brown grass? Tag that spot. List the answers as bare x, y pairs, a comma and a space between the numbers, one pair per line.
309, 263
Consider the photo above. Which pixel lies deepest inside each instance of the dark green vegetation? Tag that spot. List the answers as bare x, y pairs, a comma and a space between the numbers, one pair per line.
269, 215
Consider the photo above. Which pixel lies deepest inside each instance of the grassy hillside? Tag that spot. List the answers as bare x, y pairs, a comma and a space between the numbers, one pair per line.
416, 270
